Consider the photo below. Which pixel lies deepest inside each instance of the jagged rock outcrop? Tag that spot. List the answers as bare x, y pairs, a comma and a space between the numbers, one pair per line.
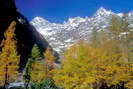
26, 34
62, 36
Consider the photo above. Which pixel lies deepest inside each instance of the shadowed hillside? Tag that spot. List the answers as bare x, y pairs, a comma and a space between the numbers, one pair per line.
26, 34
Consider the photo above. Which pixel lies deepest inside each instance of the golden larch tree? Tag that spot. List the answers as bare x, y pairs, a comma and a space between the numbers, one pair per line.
49, 59
38, 71
85, 67
77, 68
9, 59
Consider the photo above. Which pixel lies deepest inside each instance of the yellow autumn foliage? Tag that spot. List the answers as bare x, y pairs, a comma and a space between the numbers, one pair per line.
9, 60
85, 67
49, 59
38, 72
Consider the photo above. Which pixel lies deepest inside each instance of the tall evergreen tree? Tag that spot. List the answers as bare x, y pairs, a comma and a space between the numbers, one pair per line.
35, 55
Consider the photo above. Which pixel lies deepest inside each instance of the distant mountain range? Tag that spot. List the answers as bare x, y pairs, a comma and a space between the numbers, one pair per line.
61, 36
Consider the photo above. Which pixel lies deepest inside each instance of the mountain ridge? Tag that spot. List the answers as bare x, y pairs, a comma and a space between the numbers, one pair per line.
60, 36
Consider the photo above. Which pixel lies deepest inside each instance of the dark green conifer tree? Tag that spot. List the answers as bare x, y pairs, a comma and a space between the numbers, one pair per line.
35, 55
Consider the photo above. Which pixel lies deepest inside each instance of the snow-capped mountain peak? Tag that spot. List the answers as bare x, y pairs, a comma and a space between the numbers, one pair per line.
39, 20
73, 22
60, 36
76, 20
120, 14
102, 11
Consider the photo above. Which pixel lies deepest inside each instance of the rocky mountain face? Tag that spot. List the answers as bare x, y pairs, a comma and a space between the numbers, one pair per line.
26, 34
61, 36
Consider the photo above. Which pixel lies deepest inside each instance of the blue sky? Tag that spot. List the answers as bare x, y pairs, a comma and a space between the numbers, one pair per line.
60, 10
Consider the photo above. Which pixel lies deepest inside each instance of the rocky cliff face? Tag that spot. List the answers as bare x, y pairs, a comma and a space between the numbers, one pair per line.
61, 36
26, 34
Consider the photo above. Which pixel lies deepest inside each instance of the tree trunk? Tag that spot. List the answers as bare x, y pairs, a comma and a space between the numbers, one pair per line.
6, 78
